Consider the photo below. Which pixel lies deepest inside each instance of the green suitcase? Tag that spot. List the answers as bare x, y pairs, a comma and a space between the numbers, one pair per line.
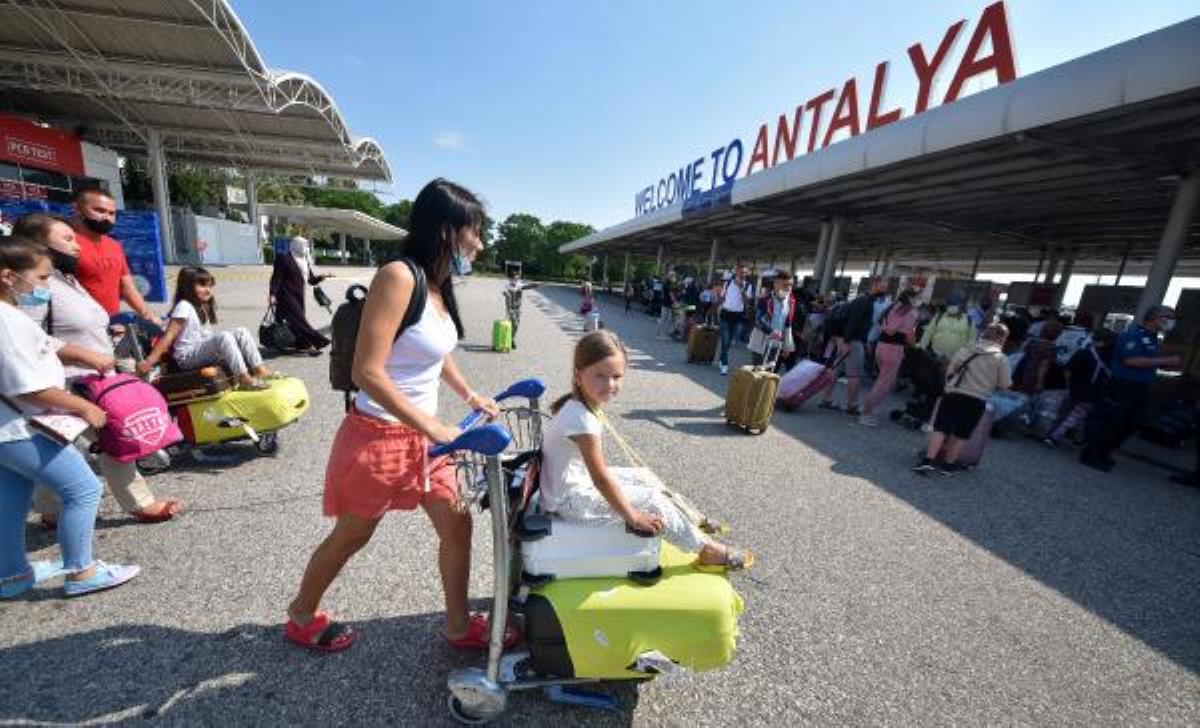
502, 335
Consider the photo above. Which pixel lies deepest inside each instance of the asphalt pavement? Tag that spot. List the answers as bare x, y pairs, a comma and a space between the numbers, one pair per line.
1031, 590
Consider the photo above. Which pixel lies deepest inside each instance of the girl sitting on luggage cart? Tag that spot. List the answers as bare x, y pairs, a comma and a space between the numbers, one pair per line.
974, 373
192, 341
576, 484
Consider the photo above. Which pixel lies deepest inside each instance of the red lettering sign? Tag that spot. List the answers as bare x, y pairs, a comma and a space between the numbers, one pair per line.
28, 144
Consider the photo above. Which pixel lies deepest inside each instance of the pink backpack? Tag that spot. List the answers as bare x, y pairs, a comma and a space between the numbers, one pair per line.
138, 421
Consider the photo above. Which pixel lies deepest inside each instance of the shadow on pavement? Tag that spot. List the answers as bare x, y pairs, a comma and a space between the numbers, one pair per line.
1127, 548
248, 674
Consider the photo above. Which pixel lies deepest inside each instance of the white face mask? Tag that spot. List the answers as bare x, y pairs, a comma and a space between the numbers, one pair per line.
1168, 326
953, 310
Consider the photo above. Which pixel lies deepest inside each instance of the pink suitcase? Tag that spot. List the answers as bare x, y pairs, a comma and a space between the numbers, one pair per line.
806, 383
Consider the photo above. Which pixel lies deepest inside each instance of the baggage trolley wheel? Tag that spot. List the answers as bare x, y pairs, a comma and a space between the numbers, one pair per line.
268, 443
156, 462
459, 714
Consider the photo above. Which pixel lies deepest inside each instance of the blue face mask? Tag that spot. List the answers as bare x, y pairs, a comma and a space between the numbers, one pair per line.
39, 296
460, 264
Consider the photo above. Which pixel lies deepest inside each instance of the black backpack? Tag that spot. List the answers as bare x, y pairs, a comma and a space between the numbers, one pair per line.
347, 319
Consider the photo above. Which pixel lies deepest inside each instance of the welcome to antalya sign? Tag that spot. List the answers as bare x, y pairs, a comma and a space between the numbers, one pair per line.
808, 128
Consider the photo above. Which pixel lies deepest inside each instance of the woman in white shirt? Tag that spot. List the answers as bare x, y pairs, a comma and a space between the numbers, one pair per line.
379, 461
75, 317
31, 385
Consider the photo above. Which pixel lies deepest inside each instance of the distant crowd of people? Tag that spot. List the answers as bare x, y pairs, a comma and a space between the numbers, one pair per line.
1088, 384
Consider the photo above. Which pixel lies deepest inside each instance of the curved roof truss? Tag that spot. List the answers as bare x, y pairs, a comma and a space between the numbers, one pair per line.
186, 68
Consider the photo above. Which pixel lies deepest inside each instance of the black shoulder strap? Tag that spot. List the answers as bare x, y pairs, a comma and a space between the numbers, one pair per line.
416, 304
962, 368
48, 322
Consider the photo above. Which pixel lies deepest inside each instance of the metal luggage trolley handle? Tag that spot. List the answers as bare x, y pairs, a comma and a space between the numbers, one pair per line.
480, 695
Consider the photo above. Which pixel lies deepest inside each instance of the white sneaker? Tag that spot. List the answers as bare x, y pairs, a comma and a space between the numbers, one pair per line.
867, 421
724, 369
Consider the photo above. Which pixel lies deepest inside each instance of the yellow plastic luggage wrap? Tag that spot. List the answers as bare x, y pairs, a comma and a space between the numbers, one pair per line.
265, 410
689, 616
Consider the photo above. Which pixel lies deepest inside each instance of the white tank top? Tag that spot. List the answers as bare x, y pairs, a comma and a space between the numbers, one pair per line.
415, 363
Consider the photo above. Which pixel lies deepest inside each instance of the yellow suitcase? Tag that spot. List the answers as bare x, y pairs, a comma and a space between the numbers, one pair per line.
750, 400
226, 417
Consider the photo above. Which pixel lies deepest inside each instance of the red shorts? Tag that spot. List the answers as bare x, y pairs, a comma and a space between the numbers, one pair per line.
378, 466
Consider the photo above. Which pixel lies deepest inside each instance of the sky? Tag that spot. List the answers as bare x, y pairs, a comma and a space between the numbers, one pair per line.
566, 109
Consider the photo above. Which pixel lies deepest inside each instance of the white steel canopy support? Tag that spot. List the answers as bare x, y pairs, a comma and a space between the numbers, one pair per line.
712, 258
836, 231
1183, 211
161, 193
252, 206
822, 249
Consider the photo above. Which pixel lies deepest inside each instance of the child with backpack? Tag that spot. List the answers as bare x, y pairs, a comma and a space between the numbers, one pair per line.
193, 343
577, 484
974, 373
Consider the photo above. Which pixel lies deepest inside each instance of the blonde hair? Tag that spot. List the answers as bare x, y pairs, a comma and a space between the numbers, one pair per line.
996, 332
594, 347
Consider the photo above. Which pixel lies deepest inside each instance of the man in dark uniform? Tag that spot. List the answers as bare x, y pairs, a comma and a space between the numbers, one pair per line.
1135, 364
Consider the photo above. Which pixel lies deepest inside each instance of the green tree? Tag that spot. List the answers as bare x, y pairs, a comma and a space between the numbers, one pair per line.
360, 200
398, 213
521, 237
559, 233
278, 189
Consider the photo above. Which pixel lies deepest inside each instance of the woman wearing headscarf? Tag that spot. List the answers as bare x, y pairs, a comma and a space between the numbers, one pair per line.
293, 270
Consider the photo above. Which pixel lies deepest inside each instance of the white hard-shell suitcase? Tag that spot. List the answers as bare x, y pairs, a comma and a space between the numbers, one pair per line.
554, 548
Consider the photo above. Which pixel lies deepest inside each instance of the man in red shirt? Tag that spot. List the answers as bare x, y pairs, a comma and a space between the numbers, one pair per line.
103, 271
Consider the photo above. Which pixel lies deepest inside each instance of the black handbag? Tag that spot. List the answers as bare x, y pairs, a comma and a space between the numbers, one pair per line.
274, 333
322, 298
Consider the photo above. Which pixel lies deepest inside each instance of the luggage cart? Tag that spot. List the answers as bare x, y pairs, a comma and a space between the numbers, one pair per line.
492, 464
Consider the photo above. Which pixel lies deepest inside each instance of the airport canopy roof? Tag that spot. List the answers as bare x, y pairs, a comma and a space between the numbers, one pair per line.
1085, 155
114, 69
351, 222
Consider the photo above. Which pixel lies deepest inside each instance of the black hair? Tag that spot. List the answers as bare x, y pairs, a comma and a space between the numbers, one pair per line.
19, 254
80, 194
36, 226
185, 290
441, 209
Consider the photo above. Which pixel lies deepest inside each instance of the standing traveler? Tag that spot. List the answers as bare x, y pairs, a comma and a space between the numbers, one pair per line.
73, 316
1135, 364
1087, 376
773, 321
379, 460
32, 384
294, 271
103, 270
735, 303
949, 330
851, 325
897, 332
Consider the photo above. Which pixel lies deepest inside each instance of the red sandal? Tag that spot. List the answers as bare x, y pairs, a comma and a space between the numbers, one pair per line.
478, 630
321, 634
169, 510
